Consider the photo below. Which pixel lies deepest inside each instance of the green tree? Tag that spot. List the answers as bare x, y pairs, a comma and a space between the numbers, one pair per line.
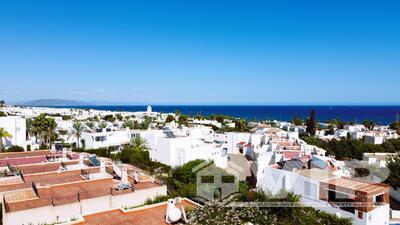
169, 119
45, 126
90, 125
183, 119
119, 117
393, 164
311, 124
139, 143
2, 103
109, 118
369, 124
129, 124
78, 128
395, 126
3, 134
102, 125
297, 121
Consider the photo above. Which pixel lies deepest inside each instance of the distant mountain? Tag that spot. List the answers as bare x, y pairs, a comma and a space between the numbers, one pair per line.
55, 102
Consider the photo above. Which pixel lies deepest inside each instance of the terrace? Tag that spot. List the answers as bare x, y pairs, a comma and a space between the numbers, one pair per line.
366, 196
149, 215
75, 190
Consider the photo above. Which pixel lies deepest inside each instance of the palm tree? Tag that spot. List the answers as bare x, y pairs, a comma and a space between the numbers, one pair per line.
78, 129
139, 144
90, 125
29, 127
45, 127
369, 124
3, 134
102, 125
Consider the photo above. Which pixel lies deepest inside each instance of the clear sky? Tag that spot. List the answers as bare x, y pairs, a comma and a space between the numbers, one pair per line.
201, 52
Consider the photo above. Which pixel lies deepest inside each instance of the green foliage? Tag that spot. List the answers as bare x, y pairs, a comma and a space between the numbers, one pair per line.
311, 124
90, 125
15, 148
66, 117
137, 153
119, 117
102, 125
297, 121
352, 149
393, 164
395, 126
184, 173
45, 128
78, 129
369, 124
101, 152
109, 118
169, 119
3, 134
338, 123
183, 119
129, 124
345, 148
218, 213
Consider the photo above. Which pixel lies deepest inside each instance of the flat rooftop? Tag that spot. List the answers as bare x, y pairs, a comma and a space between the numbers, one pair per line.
65, 193
149, 215
316, 174
40, 179
355, 185
9, 155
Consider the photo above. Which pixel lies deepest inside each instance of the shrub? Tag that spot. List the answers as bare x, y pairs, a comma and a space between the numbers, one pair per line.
15, 148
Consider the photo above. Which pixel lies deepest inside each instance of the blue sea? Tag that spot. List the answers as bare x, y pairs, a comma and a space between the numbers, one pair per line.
378, 114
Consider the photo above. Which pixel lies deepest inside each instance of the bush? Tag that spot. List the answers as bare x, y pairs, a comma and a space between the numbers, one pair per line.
15, 148
101, 152
352, 149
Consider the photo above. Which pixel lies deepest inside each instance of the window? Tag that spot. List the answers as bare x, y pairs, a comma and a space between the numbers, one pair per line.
378, 199
228, 179
207, 179
100, 138
360, 215
310, 189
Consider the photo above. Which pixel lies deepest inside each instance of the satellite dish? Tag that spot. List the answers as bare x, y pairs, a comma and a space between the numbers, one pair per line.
173, 213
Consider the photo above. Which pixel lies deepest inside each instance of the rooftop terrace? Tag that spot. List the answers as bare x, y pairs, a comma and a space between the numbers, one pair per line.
149, 215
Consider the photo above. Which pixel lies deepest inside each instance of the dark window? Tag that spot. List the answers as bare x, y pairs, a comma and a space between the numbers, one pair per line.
207, 179
228, 179
360, 215
379, 199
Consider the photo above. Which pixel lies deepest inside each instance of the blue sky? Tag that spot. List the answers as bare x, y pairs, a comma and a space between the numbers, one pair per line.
201, 52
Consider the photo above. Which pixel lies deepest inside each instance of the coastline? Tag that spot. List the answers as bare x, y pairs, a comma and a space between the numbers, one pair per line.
383, 115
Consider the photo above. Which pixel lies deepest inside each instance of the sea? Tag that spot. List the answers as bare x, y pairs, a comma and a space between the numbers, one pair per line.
379, 114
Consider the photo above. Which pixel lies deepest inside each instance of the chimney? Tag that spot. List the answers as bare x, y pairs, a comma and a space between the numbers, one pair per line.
310, 164
124, 176
81, 158
102, 166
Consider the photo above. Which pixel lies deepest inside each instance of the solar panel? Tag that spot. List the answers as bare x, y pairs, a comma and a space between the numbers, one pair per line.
94, 161
291, 165
169, 134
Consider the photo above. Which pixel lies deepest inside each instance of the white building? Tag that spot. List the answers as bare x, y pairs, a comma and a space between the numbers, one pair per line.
178, 147
106, 138
322, 190
16, 126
